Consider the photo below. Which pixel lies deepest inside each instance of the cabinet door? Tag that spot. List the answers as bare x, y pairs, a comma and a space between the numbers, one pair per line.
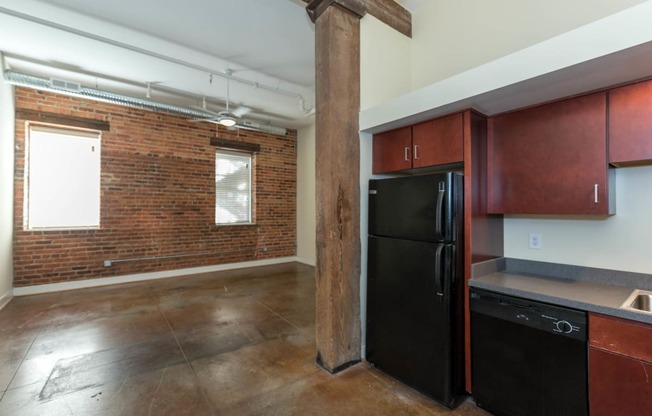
630, 124
620, 366
618, 385
392, 151
438, 142
550, 159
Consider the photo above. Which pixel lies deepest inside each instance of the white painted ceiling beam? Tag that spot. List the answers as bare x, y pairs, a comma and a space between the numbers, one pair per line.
613, 50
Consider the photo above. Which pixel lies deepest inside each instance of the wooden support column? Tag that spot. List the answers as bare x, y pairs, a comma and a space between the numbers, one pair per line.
337, 54
337, 31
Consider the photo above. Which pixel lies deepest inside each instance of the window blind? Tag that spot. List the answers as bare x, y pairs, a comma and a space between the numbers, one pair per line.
233, 188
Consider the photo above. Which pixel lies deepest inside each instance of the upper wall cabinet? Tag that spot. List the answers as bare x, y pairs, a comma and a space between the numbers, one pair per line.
550, 159
630, 124
436, 142
392, 150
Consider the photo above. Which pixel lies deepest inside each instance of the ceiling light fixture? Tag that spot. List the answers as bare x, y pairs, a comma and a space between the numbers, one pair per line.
227, 121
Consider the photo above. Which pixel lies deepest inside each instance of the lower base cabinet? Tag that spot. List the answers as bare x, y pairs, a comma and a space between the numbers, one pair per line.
620, 367
619, 385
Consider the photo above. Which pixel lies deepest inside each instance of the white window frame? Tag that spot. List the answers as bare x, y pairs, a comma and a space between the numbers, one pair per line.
250, 214
33, 187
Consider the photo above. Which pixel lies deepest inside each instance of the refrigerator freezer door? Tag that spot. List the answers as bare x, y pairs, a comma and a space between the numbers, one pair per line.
409, 326
416, 207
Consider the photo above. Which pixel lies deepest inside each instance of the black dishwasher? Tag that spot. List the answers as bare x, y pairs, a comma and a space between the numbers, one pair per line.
528, 358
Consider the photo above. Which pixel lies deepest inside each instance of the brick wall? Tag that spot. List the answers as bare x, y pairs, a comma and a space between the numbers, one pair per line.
157, 198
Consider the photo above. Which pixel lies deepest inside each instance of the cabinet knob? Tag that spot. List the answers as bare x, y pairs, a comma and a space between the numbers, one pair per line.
416, 152
407, 153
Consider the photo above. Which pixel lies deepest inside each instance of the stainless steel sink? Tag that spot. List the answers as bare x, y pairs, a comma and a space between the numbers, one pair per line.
639, 300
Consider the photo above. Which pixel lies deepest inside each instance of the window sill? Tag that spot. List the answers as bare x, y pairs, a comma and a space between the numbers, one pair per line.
58, 229
238, 224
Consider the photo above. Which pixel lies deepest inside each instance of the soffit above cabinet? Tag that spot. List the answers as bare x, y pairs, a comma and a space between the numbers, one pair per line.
607, 52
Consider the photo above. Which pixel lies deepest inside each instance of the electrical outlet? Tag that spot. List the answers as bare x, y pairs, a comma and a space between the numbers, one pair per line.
107, 263
536, 241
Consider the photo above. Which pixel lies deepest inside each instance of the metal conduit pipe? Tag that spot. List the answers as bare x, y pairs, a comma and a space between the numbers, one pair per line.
173, 60
45, 84
109, 263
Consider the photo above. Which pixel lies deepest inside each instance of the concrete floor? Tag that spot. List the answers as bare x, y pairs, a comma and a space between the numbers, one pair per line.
228, 343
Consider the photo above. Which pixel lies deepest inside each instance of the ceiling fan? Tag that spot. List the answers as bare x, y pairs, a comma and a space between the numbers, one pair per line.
233, 119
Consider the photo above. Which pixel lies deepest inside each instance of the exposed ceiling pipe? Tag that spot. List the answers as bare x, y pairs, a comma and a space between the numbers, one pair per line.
77, 90
88, 35
152, 86
306, 111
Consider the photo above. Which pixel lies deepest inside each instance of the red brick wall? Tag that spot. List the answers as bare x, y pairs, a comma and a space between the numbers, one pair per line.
157, 198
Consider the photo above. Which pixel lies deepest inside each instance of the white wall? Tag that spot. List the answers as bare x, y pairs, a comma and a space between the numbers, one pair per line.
306, 211
619, 242
6, 189
450, 37
385, 56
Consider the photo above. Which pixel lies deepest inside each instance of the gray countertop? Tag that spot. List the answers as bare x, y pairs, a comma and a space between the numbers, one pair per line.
579, 294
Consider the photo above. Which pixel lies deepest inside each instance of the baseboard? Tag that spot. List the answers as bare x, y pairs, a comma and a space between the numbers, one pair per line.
105, 281
5, 298
309, 262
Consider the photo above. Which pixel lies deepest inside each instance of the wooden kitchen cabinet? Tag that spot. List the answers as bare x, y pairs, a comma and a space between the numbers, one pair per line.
436, 142
392, 150
630, 124
620, 367
550, 159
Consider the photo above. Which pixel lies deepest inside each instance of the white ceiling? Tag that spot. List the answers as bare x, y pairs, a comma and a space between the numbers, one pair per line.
274, 37
108, 45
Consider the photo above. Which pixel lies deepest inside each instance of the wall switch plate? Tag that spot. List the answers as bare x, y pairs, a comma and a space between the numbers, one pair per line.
535, 241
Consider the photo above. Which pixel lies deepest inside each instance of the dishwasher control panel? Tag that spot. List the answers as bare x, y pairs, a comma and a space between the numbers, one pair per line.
562, 326
555, 319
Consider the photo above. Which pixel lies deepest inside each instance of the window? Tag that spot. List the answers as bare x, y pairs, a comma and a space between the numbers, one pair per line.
233, 188
63, 178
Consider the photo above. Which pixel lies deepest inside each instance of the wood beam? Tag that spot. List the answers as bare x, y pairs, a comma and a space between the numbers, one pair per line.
338, 333
315, 8
387, 11
392, 14
62, 120
233, 145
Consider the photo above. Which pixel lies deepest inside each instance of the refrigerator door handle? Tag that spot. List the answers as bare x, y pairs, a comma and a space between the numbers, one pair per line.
439, 213
439, 276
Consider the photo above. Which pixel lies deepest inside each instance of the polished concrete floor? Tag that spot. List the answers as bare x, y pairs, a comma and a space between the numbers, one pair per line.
228, 343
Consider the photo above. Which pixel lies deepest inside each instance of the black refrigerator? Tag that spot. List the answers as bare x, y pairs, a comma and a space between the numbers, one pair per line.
415, 272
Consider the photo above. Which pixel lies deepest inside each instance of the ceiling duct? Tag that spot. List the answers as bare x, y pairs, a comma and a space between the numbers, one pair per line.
77, 90
65, 85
